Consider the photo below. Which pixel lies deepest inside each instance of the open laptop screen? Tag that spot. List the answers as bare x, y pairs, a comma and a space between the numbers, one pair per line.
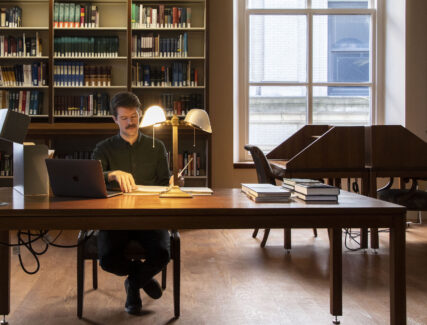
77, 178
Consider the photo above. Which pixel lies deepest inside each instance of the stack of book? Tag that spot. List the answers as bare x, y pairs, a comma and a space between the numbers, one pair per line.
179, 74
28, 102
12, 46
316, 192
290, 183
75, 15
151, 46
86, 47
6, 164
11, 17
266, 193
160, 17
24, 75
180, 104
96, 104
78, 74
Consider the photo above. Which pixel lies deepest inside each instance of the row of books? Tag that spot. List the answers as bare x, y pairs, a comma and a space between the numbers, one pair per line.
266, 193
28, 102
181, 104
179, 74
194, 167
11, 46
160, 17
311, 190
96, 104
11, 17
79, 74
150, 46
24, 75
75, 15
76, 46
74, 155
6, 164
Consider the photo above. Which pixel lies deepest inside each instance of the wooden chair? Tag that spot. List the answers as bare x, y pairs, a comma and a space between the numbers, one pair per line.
88, 250
413, 199
265, 175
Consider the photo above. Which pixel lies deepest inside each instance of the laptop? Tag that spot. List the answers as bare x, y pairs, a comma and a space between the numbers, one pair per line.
78, 178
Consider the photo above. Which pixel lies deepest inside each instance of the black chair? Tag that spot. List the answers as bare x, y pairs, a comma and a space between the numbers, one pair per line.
88, 250
265, 175
412, 198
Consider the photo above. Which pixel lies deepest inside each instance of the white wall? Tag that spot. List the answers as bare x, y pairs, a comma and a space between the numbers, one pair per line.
416, 67
394, 92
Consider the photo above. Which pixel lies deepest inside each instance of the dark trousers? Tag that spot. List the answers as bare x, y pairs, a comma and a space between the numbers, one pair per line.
112, 244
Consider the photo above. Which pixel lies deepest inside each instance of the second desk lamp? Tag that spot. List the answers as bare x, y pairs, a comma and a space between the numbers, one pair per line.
196, 118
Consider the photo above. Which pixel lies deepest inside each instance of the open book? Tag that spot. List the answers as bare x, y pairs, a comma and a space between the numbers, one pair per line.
156, 190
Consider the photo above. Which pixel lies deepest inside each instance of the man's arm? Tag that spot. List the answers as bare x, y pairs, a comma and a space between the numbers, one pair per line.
99, 154
114, 178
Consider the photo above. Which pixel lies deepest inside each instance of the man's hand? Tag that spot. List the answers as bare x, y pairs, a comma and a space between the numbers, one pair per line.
125, 180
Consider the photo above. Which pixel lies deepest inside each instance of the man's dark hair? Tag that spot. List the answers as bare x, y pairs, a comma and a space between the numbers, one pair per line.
124, 99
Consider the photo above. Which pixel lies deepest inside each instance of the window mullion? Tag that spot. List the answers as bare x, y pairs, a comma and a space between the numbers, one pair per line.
310, 68
373, 80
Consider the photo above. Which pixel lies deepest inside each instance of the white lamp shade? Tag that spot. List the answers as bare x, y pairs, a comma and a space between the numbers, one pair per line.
153, 115
199, 118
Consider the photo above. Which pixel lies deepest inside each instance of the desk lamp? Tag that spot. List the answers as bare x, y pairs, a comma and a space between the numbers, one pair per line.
13, 128
196, 118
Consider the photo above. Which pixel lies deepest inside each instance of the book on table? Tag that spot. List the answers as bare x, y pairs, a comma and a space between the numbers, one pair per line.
290, 183
269, 199
155, 190
316, 189
330, 198
198, 190
265, 190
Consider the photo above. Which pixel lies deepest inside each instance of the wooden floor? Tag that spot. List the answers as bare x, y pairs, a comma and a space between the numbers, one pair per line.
228, 279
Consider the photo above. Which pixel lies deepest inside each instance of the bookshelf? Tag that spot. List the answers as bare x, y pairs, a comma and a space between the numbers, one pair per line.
91, 60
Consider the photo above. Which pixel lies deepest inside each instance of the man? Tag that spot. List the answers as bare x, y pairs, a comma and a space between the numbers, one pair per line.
129, 158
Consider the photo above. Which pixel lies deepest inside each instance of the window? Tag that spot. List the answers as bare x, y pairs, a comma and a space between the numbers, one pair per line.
303, 62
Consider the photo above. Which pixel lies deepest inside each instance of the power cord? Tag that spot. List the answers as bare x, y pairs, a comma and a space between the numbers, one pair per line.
28, 238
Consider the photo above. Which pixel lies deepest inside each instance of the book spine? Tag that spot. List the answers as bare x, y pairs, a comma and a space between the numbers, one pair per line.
66, 15
175, 17
82, 16
72, 12
61, 14
188, 14
55, 15
94, 10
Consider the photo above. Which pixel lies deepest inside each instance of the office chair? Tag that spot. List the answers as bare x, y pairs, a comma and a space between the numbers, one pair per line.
265, 175
413, 199
88, 250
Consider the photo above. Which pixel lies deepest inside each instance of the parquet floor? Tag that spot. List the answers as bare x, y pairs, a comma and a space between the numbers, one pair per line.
228, 279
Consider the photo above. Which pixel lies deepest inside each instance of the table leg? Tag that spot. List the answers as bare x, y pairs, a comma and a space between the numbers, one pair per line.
371, 190
375, 240
4, 274
363, 238
287, 238
335, 271
397, 273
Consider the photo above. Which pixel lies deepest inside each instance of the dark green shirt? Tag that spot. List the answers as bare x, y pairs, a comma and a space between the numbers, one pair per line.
148, 165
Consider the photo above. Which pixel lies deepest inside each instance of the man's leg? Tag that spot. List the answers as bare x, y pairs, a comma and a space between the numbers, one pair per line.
157, 246
111, 246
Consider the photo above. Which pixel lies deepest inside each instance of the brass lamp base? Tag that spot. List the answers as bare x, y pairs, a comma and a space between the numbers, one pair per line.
175, 191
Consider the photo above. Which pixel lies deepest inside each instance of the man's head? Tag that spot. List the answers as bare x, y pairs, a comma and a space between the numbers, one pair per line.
125, 108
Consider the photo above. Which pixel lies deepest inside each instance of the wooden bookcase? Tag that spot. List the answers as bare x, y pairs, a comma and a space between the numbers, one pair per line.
79, 133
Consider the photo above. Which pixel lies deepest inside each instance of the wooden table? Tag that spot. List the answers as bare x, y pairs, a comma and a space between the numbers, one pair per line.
226, 209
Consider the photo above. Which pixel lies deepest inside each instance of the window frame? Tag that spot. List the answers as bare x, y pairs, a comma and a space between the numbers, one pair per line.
242, 64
